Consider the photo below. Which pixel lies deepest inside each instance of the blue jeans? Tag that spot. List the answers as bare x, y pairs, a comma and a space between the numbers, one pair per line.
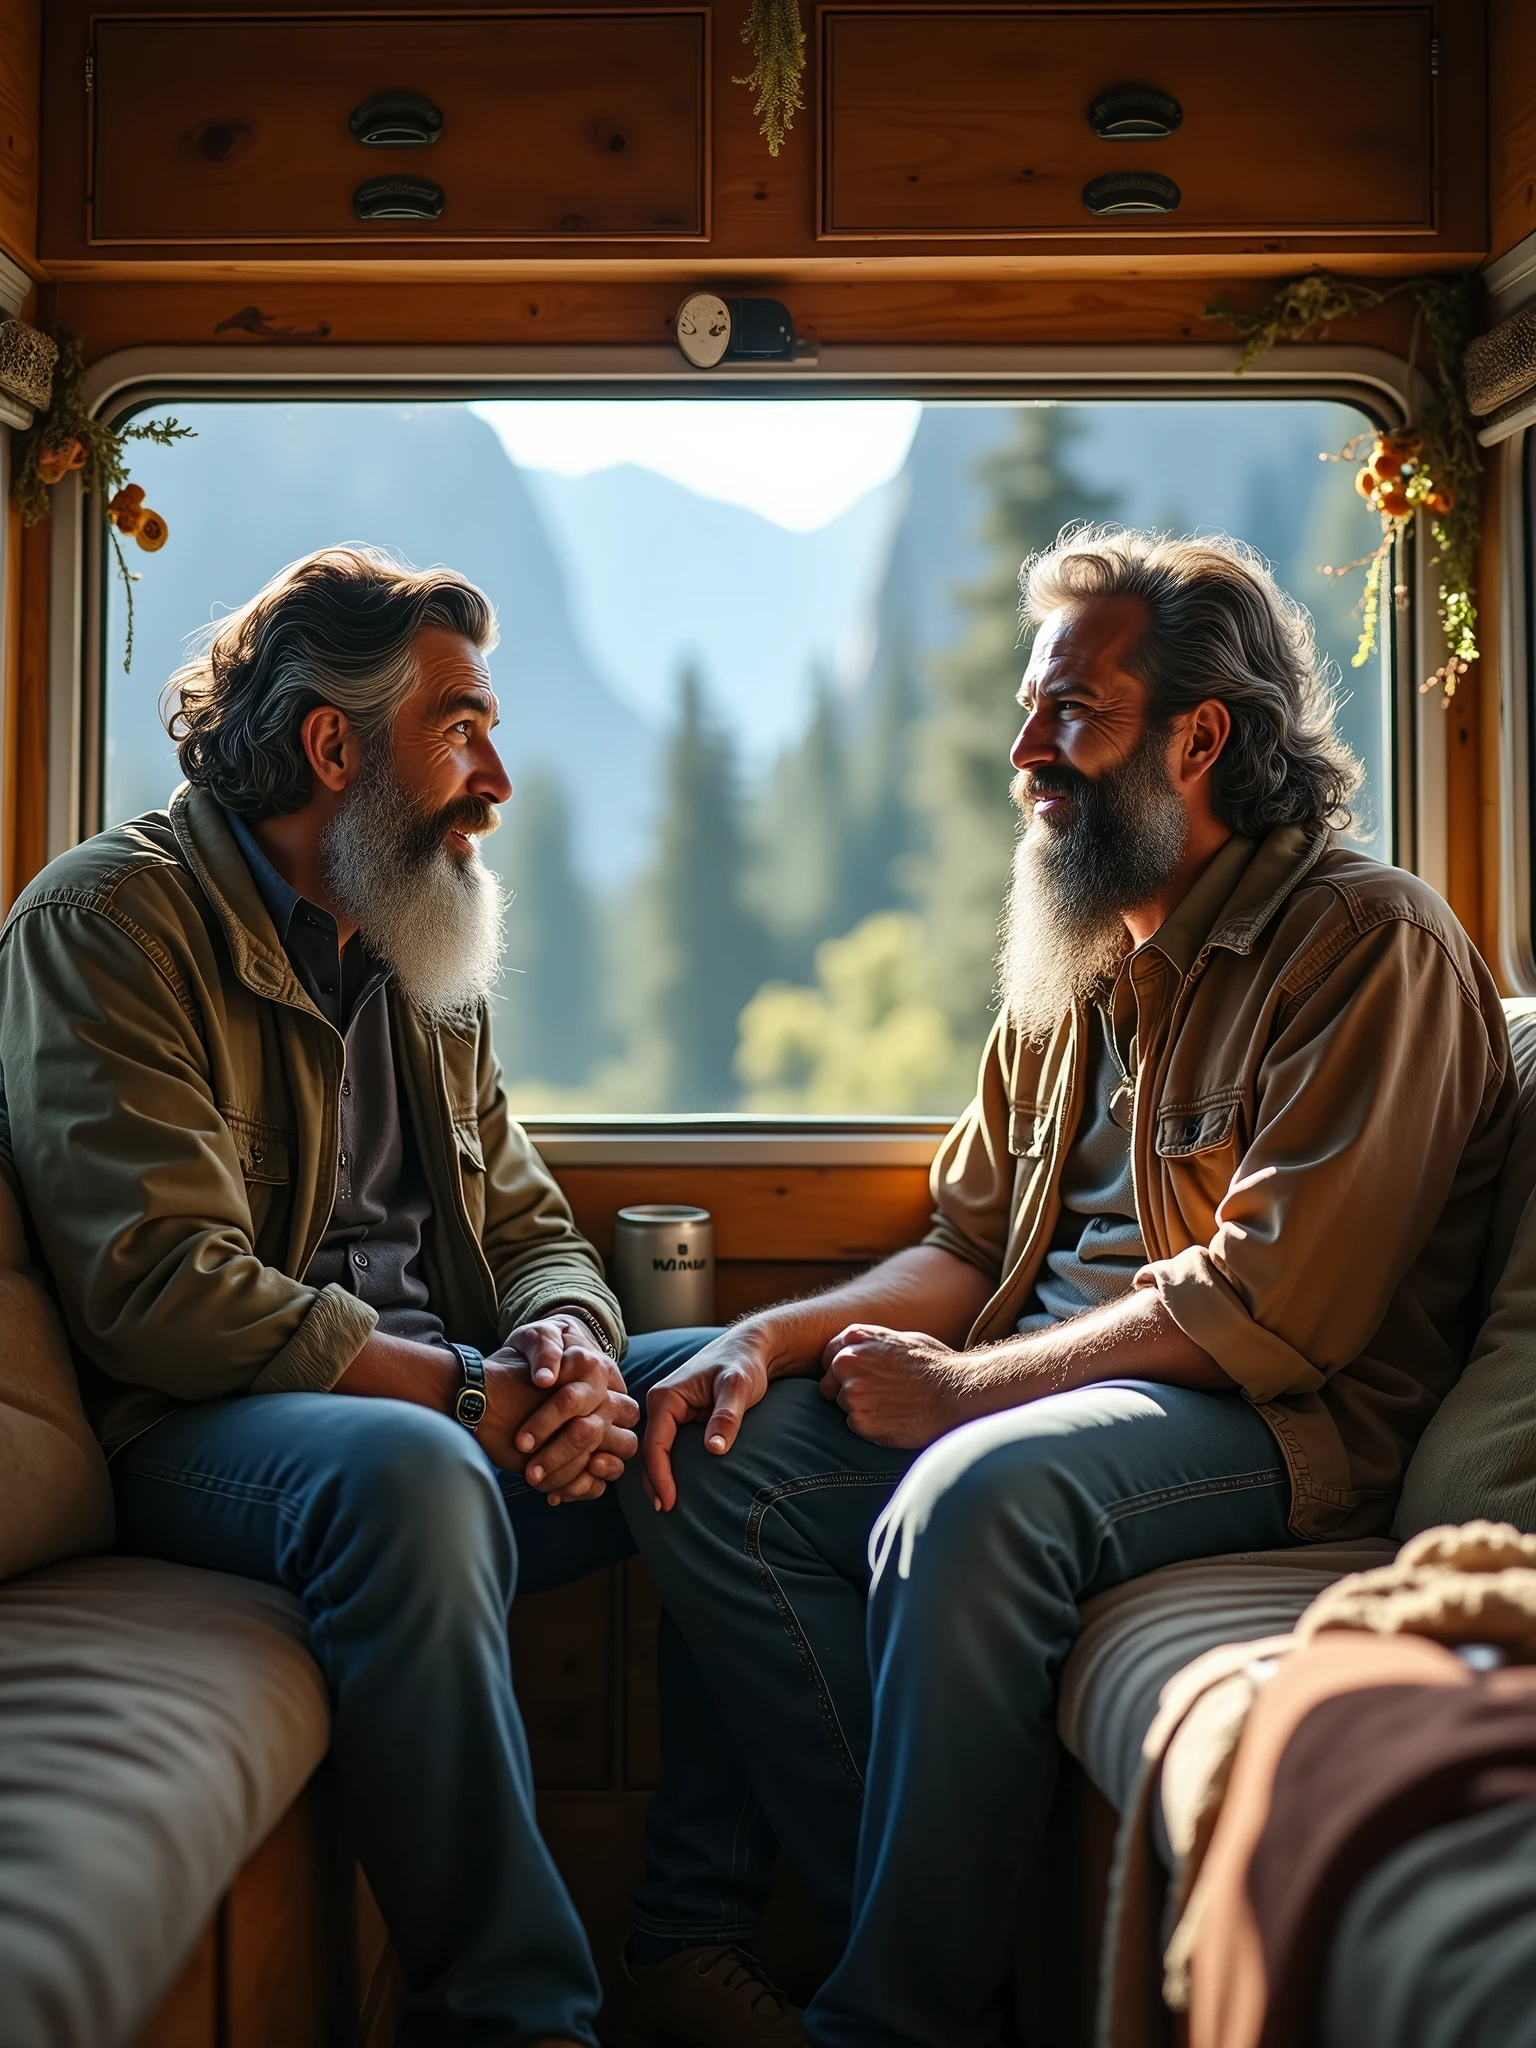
406, 1546
883, 1637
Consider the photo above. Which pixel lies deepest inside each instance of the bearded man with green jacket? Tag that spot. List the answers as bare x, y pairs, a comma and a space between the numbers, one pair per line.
336, 1326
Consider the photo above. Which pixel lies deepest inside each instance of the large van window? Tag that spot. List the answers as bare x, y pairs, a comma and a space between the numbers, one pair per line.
757, 671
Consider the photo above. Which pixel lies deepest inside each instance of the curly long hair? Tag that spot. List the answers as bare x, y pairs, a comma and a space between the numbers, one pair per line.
337, 627
1221, 627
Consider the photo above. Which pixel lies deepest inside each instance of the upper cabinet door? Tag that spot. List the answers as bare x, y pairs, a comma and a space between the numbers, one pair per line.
1197, 121
517, 127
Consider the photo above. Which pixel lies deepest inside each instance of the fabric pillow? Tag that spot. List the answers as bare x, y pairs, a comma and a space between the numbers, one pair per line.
55, 1496
1477, 1459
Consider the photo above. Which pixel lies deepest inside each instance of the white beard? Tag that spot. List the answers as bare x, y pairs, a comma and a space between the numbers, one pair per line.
436, 920
1063, 930
1051, 957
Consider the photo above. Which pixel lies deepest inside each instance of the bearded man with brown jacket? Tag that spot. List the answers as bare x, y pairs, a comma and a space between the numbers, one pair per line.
1201, 1258
335, 1324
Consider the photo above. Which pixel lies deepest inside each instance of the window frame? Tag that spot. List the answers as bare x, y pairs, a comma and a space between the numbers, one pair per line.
1382, 385
1513, 445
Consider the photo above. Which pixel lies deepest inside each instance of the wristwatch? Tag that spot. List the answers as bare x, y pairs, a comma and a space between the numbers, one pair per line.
470, 1404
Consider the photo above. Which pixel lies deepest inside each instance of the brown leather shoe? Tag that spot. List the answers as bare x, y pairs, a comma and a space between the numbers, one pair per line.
718, 1997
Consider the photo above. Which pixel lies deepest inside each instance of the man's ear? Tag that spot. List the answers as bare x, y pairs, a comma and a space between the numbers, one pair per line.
330, 747
1205, 731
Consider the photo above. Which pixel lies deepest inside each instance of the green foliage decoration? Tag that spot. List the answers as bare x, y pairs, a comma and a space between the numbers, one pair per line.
67, 438
772, 29
1439, 462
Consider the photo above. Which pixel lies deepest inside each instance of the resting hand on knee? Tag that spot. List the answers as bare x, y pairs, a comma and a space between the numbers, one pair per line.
896, 1387
716, 1387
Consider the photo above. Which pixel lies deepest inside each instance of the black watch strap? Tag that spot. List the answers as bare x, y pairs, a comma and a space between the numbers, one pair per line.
470, 1405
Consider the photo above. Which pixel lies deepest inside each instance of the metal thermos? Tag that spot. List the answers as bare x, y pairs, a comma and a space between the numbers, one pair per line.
664, 1266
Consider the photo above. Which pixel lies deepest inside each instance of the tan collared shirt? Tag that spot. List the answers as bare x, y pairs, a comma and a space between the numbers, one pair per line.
1324, 1101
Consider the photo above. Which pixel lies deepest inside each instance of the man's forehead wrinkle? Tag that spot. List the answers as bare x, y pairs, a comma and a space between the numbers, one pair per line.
469, 697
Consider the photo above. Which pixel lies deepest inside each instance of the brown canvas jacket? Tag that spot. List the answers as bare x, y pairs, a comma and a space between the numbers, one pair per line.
1325, 1101
174, 1109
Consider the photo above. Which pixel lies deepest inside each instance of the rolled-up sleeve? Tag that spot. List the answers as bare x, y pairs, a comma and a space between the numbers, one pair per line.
1380, 1070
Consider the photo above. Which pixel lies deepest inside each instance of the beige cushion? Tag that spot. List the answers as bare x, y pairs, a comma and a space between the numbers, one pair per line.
155, 1723
55, 1497
1135, 1637
1477, 1459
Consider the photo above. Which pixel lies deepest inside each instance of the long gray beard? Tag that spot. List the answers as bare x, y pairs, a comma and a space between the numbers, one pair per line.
437, 921
1063, 929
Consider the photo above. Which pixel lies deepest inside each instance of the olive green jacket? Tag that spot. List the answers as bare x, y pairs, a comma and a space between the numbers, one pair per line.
174, 1098
1324, 1102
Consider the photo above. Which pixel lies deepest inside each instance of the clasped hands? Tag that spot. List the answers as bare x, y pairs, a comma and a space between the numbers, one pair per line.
556, 1410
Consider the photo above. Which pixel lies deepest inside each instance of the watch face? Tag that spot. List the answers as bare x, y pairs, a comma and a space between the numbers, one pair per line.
470, 1406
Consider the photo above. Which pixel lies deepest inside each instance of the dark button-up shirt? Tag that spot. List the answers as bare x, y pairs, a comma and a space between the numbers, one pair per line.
372, 1244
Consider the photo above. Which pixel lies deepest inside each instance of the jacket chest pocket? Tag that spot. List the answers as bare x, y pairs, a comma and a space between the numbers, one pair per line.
1029, 1130
266, 1166
1199, 1146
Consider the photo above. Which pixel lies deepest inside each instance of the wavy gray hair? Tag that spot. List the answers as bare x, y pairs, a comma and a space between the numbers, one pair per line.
1221, 627
337, 627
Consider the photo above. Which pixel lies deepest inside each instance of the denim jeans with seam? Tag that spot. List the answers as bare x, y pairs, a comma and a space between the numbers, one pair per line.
406, 1546
883, 1636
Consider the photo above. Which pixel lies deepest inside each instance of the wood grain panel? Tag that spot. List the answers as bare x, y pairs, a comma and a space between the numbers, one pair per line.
763, 210
577, 125
851, 1214
188, 2015
264, 320
564, 1665
744, 1285
974, 122
1511, 122
20, 82
290, 1939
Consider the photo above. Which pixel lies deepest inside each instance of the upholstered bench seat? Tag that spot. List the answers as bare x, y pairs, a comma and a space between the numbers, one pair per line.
155, 1724
1137, 1636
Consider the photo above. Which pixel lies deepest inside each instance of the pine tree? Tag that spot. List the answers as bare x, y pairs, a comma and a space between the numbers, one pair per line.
885, 830
549, 1030
802, 826
963, 771
709, 953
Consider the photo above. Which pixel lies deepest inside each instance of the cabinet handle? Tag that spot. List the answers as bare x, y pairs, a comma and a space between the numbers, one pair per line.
1131, 192
1134, 113
398, 199
396, 120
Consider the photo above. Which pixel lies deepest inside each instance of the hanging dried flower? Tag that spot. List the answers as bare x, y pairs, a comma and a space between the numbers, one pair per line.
1432, 470
777, 40
68, 438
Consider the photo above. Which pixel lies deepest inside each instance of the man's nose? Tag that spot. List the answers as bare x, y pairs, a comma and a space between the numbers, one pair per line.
490, 778
1032, 748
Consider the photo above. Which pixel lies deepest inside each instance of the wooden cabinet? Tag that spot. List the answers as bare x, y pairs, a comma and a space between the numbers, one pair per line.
960, 122
571, 126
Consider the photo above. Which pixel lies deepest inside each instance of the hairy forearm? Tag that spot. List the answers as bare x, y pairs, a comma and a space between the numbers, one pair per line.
1133, 1338
922, 1289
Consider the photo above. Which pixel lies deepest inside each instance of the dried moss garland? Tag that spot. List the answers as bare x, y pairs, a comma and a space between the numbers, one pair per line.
772, 29
1447, 470
67, 439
